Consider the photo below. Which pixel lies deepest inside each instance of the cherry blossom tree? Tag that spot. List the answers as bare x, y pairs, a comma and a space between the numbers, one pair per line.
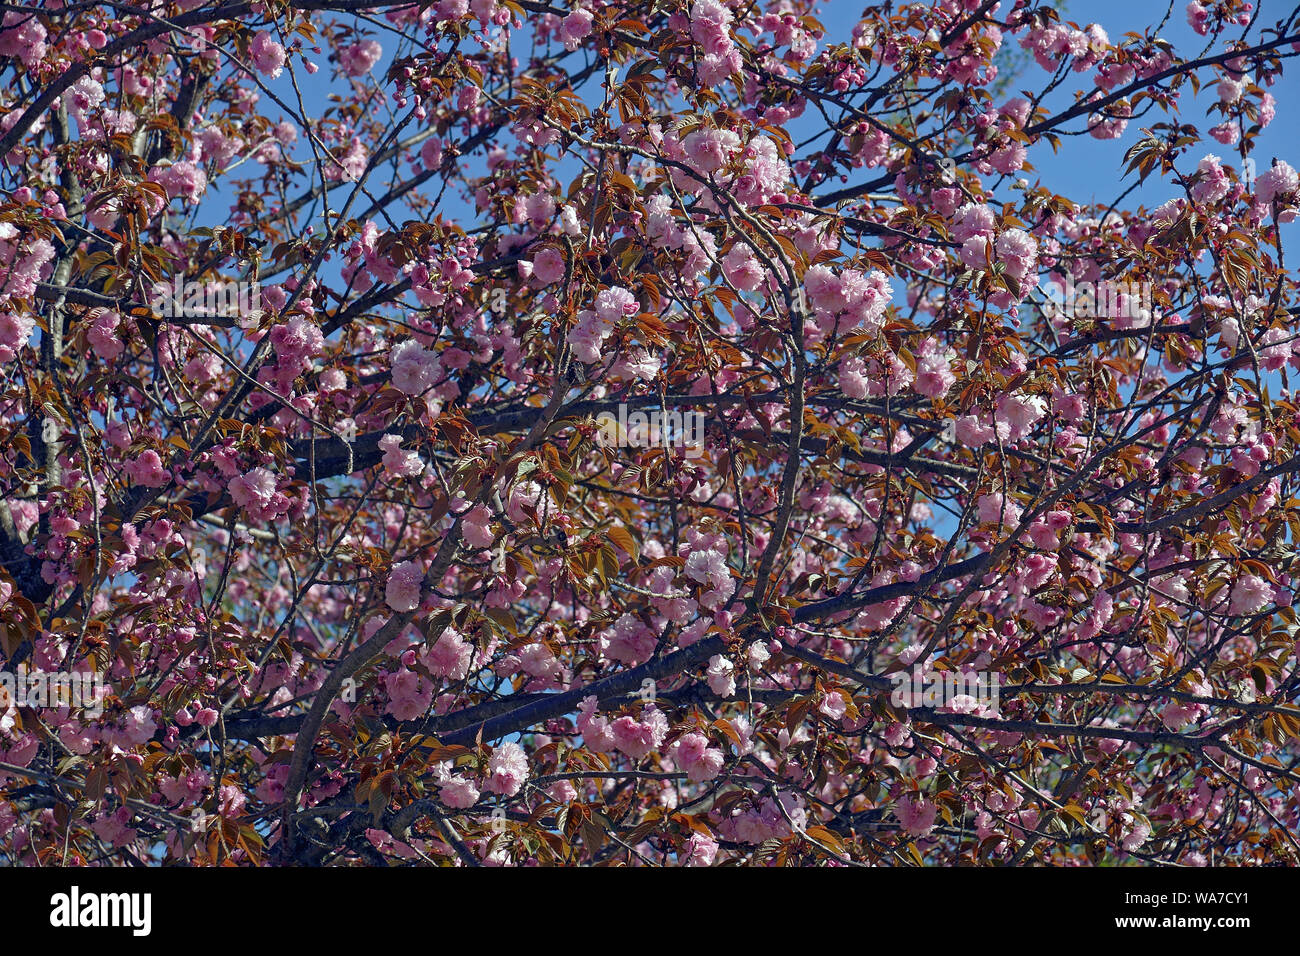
314, 320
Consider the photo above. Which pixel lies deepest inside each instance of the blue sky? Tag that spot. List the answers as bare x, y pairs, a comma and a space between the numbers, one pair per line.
1085, 169
1088, 169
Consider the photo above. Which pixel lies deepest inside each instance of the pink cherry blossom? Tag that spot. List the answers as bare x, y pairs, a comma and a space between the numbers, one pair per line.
402, 592
267, 55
